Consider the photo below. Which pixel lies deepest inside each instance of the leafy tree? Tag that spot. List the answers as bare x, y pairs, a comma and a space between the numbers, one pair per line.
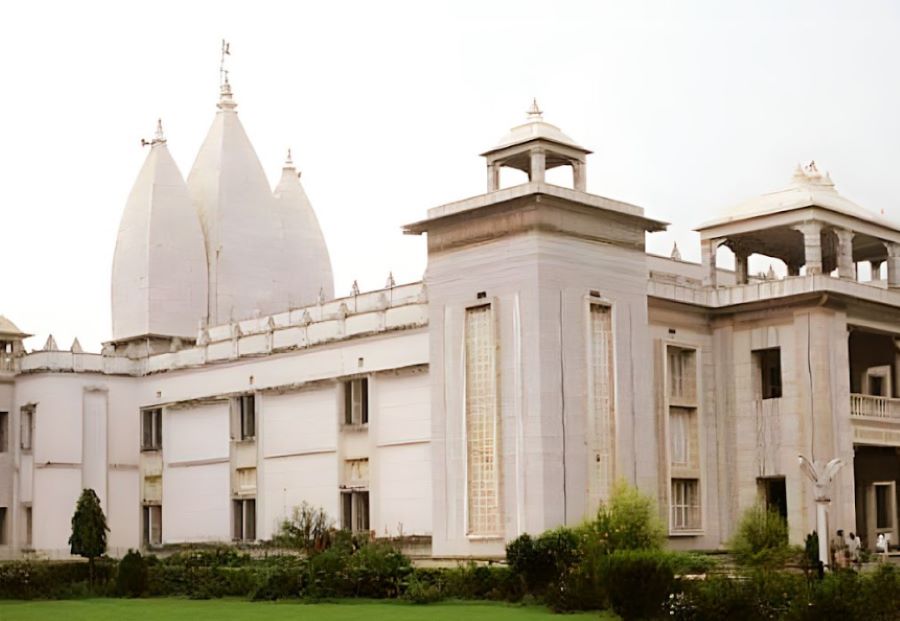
629, 521
761, 538
308, 529
88, 529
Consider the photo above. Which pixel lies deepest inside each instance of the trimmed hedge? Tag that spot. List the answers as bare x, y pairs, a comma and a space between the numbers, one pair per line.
55, 579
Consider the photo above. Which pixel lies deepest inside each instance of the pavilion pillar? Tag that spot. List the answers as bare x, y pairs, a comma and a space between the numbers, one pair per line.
875, 268
579, 178
708, 261
812, 246
793, 269
893, 264
493, 176
538, 166
845, 265
741, 267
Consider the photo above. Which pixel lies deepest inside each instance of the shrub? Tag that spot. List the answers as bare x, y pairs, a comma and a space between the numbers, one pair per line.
760, 595
761, 538
543, 562
638, 582
378, 570
131, 580
849, 596
629, 521
421, 592
308, 529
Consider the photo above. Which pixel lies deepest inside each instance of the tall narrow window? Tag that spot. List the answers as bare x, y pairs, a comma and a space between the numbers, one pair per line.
28, 526
680, 432
26, 427
685, 504
151, 429
768, 366
152, 525
601, 423
482, 455
244, 519
4, 432
682, 373
247, 405
2, 526
355, 511
356, 401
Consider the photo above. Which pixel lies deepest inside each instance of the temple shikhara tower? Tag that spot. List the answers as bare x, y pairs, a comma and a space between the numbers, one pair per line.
543, 356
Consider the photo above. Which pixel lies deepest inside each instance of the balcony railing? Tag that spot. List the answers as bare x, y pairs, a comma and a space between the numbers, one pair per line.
871, 406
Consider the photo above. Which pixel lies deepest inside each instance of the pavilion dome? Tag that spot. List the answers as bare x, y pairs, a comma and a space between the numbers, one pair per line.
249, 265
159, 278
535, 128
808, 188
305, 247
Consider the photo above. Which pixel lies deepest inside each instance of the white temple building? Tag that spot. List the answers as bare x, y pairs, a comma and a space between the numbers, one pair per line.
544, 355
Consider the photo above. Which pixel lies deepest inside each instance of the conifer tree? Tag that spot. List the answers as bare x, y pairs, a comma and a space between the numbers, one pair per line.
88, 529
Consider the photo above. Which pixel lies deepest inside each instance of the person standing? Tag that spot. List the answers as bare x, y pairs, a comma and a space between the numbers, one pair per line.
853, 550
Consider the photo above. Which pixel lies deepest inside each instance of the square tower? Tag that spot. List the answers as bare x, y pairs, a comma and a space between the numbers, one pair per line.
539, 351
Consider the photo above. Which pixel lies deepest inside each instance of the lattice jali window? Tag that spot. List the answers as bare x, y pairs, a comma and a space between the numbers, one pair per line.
601, 419
482, 437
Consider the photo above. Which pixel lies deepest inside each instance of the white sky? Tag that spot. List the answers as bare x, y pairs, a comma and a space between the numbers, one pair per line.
689, 107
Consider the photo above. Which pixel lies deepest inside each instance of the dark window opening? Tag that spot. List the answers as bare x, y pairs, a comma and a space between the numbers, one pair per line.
356, 401
248, 416
768, 363
355, 511
244, 514
151, 429
774, 494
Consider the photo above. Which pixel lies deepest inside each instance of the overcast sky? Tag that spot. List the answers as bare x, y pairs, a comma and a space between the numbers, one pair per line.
689, 108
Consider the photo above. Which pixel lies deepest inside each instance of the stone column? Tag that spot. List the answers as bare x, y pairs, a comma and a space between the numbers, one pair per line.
812, 246
893, 264
538, 166
579, 176
741, 271
845, 265
493, 176
709, 262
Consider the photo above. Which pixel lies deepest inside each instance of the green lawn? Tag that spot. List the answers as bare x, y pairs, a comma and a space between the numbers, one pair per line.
171, 609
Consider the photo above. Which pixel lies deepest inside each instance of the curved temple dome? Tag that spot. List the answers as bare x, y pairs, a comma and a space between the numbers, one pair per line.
159, 275
305, 246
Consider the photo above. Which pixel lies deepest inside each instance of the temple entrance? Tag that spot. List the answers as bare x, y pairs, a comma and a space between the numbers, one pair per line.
877, 477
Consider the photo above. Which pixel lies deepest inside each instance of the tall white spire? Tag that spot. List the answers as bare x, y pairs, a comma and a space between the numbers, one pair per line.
159, 280
305, 247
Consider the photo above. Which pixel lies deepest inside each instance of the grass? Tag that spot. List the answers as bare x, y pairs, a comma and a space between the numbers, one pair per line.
174, 609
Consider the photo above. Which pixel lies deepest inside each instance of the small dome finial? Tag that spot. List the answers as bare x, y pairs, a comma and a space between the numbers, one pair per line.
226, 102
158, 138
288, 161
676, 253
534, 112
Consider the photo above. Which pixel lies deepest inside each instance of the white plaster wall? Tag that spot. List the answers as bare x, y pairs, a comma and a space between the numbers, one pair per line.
94, 457
291, 480
196, 503
300, 422
123, 515
402, 490
196, 500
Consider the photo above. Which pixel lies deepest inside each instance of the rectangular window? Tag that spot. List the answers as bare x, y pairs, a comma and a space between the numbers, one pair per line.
482, 442
685, 504
356, 401
26, 427
28, 526
247, 416
882, 506
768, 366
152, 525
244, 515
682, 373
679, 435
601, 423
355, 511
151, 429
4, 432
2, 526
